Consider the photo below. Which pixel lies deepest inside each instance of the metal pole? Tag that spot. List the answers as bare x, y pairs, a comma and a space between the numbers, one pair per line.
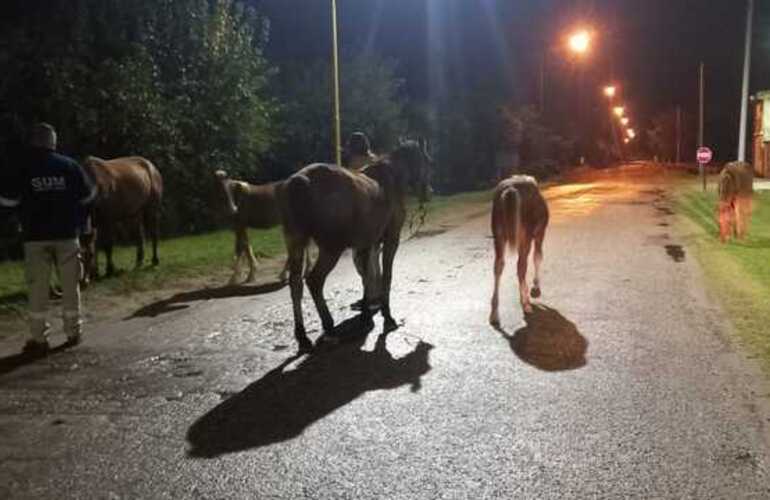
701, 85
678, 133
745, 90
336, 90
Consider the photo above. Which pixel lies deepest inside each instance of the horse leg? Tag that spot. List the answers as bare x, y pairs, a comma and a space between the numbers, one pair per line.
494, 315
239, 254
389, 249
108, 242
296, 250
327, 259
139, 235
152, 223
252, 262
525, 244
538, 259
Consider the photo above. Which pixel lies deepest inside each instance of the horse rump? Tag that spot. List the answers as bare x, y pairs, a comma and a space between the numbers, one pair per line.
736, 186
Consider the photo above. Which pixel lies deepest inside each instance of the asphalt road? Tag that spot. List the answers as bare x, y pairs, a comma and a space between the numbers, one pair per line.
621, 385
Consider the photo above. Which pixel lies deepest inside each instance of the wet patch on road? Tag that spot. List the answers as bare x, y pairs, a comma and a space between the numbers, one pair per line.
676, 252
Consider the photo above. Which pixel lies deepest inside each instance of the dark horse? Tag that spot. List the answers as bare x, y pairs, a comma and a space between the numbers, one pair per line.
340, 209
519, 217
130, 191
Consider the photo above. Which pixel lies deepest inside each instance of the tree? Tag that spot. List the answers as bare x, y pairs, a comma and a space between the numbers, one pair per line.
661, 137
182, 82
371, 101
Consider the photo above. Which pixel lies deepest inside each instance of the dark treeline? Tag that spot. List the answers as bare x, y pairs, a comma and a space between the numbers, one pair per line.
186, 83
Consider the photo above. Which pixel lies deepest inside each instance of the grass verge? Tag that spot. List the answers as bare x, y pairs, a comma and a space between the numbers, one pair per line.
738, 272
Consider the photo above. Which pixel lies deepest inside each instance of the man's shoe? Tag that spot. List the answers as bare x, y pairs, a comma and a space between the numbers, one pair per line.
36, 348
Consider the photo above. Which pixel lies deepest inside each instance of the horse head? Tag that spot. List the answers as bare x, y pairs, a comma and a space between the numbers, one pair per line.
417, 164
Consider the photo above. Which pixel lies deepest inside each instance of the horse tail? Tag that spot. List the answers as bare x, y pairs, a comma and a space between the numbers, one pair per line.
156, 181
727, 186
511, 216
227, 188
299, 196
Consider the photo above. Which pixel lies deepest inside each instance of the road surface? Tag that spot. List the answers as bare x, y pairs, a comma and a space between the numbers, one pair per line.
621, 385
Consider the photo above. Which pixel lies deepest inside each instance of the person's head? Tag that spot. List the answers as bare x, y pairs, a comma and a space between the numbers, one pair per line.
358, 144
43, 136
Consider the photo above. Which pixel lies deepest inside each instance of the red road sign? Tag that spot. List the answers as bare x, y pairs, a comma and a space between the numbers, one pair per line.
704, 155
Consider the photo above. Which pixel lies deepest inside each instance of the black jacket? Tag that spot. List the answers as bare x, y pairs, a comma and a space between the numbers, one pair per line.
52, 192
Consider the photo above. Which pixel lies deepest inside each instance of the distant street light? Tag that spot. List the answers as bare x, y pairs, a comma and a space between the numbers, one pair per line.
619, 110
631, 133
624, 121
610, 91
579, 42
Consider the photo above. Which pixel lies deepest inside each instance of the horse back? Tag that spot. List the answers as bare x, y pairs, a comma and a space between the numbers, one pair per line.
126, 185
532, 207
336, 207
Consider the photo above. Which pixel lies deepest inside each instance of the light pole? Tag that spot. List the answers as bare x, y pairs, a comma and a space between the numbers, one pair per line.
336, 89
745, 88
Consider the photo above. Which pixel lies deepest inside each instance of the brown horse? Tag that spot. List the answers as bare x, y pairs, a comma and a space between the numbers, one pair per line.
254, 206
340, 209
519, 217
130, 191
736, 187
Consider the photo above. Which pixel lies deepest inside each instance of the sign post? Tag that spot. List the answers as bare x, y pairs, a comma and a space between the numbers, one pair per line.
704, 156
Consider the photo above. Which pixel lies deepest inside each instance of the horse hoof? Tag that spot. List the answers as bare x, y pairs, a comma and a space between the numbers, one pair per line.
494, 321
389, 325
527, 308
535, 292
305, 346
155, 262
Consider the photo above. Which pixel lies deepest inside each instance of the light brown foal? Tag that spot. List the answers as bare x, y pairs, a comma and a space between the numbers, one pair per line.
519, 217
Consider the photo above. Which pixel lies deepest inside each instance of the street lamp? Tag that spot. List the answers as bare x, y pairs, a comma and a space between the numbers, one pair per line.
631, 133
579, 42
619, 110
610, 91
624, 121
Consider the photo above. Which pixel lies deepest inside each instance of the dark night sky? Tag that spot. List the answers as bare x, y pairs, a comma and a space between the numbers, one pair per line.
652, 47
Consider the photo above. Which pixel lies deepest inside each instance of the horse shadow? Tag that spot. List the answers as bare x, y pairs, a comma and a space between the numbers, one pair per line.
548, 341
282, 404
177, 302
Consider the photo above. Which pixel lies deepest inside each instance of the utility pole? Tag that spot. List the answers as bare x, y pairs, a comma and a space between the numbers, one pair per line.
745, 89
336, 88
701, 85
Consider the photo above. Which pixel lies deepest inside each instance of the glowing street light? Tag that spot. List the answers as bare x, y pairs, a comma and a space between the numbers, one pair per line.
626, 140
631, 133
619, 110
624, 121
610, 91
579, 42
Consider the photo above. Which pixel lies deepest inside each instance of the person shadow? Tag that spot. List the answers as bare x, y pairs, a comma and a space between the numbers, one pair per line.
548, 341
283, 403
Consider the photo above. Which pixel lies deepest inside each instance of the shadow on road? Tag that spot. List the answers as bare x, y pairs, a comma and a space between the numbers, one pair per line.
549, 341
282, 404
177, 301
13, 362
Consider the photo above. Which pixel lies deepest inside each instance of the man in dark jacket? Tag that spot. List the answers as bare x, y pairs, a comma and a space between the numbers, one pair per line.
50, 190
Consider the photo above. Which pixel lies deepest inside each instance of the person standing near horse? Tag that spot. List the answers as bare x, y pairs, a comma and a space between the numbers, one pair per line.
358, 154
51, 191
